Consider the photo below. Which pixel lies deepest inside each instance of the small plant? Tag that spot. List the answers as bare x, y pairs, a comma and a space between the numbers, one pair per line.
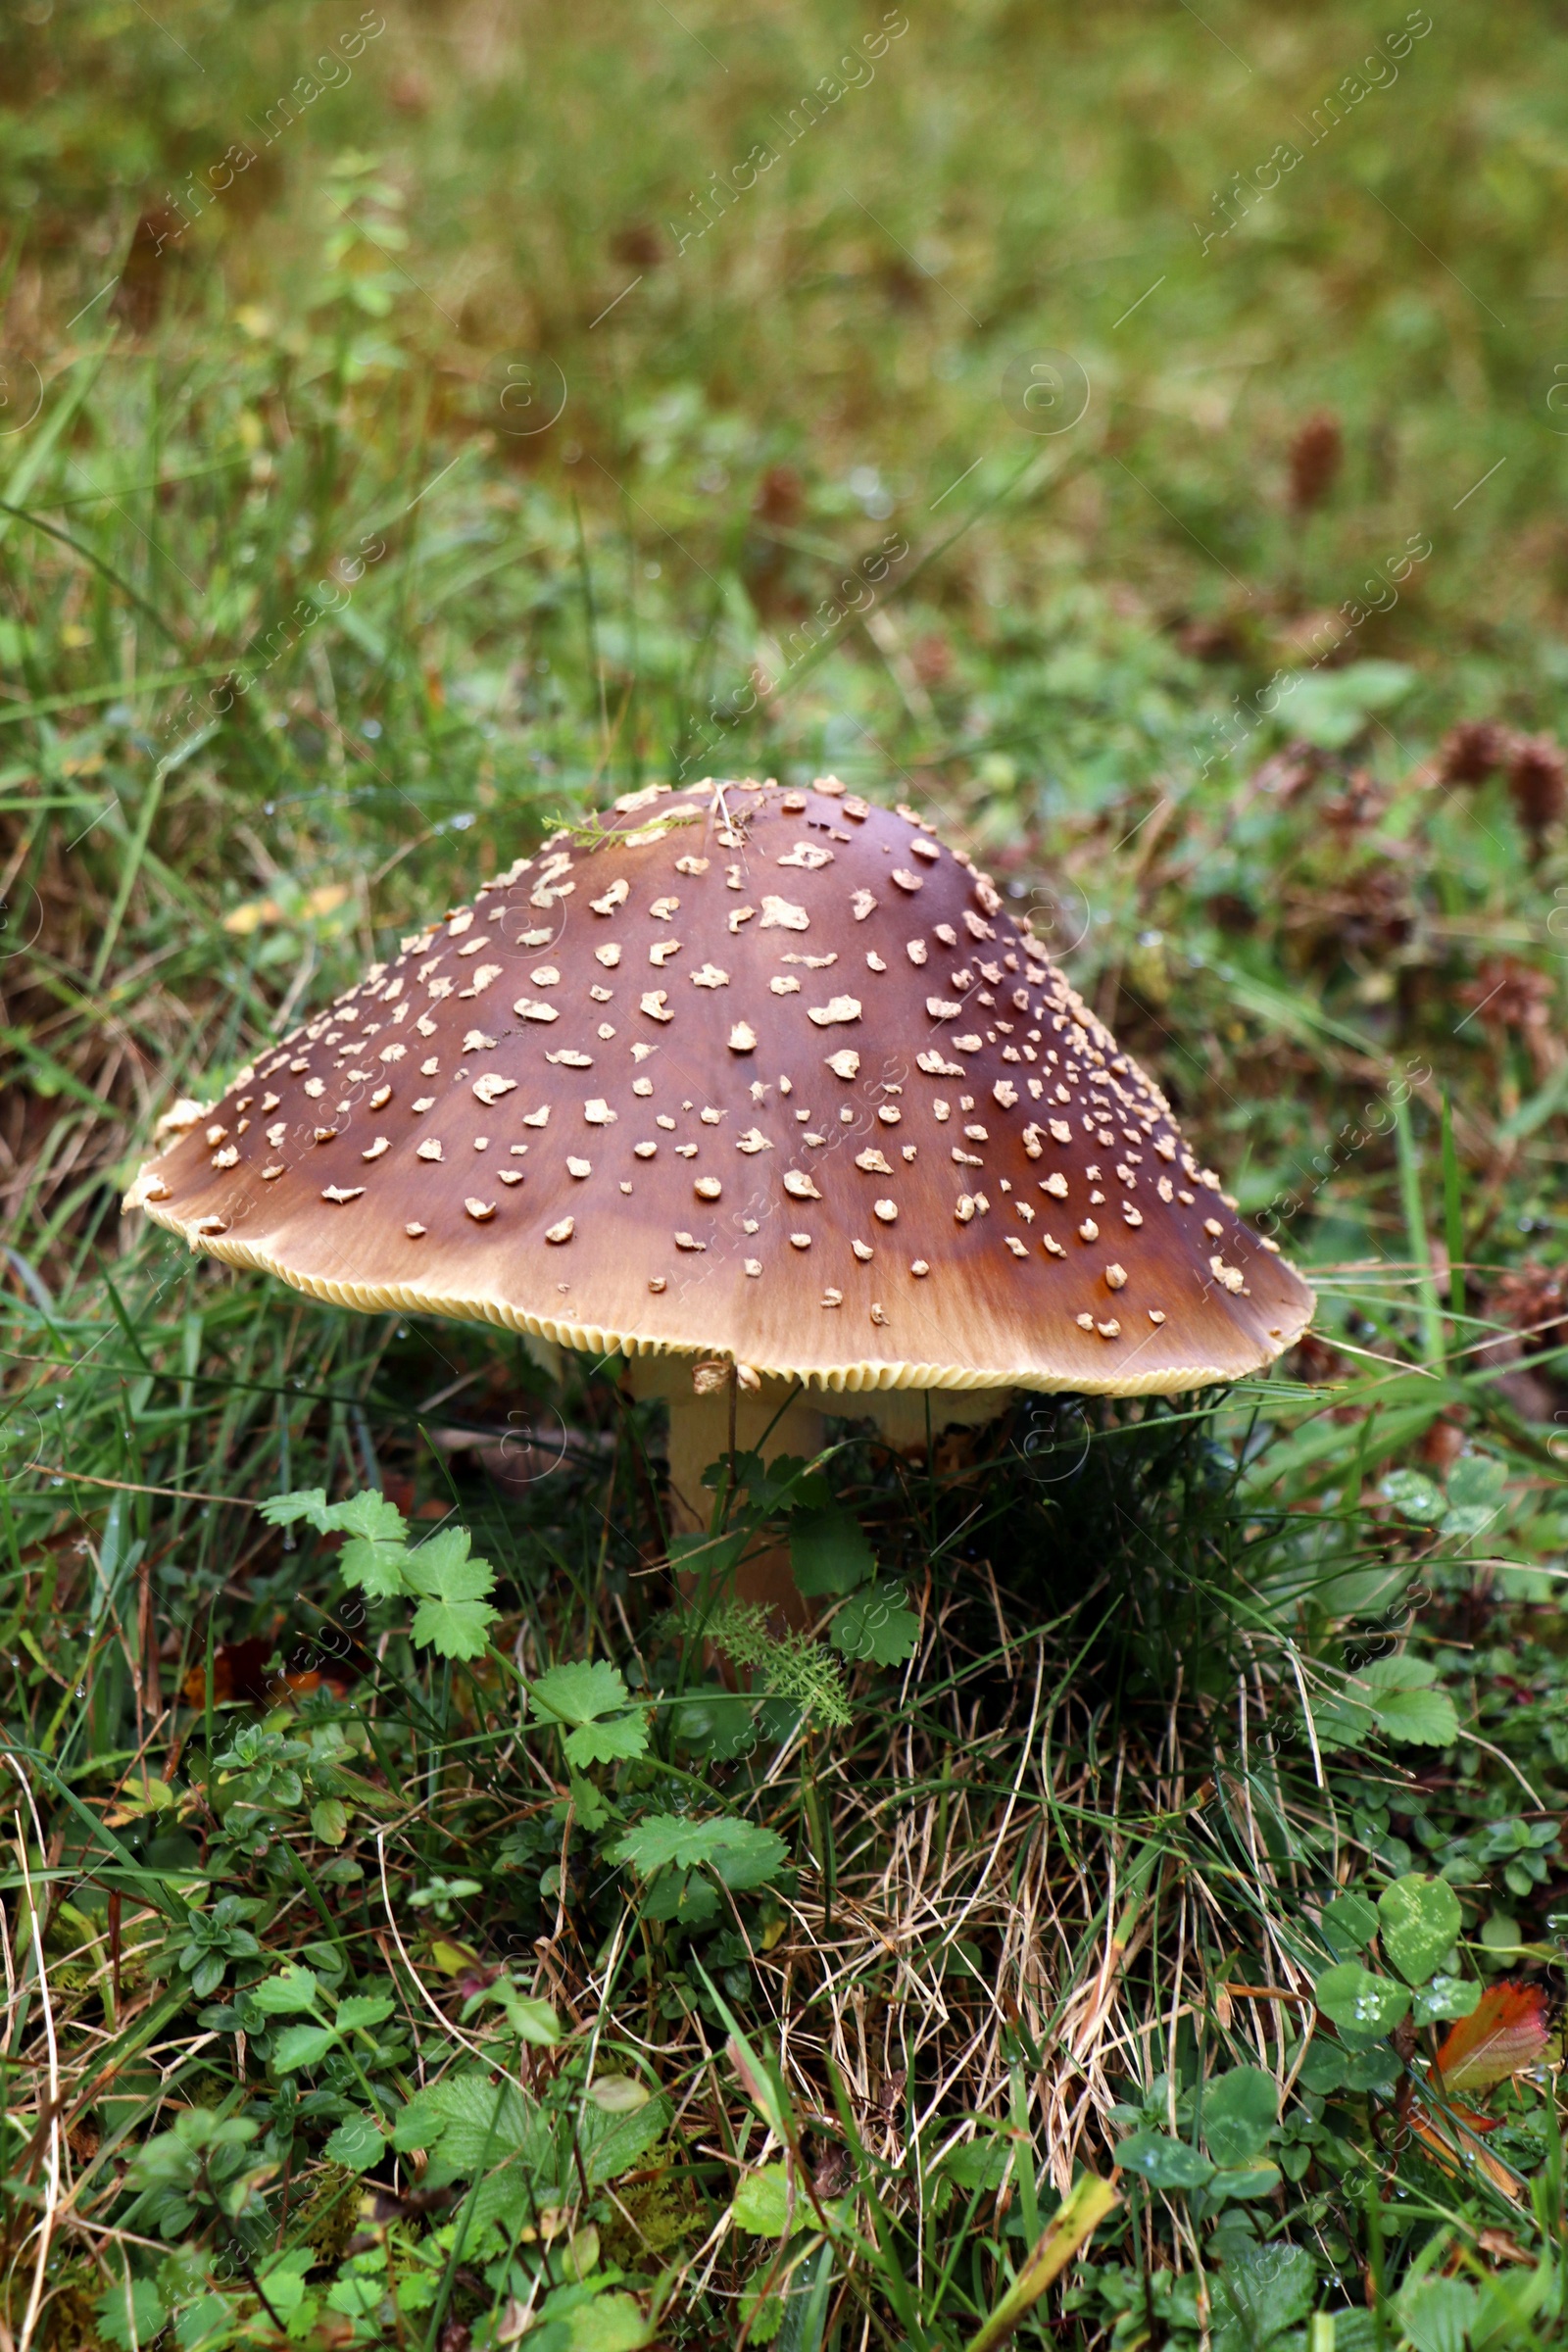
211, 1941
202, 2170
454, 1615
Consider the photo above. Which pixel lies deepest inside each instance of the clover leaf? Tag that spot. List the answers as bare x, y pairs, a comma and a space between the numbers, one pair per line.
1419, 1920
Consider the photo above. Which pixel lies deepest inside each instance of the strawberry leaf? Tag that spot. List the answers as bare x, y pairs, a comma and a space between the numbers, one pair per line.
1509, 2028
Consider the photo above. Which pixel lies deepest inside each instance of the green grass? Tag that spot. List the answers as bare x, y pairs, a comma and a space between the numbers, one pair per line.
299, 637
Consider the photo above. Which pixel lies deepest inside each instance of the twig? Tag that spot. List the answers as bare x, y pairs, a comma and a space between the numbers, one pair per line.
126, 1485
1269, 1993
51, 2203
439, 2014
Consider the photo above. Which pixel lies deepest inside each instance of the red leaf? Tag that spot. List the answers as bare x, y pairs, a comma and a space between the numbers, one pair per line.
1456, 2148
239, 1672
1509, 2029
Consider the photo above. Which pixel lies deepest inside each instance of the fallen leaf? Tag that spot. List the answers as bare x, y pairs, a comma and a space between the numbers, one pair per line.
324, 900
1509, 2029
1454, 2146
452, 1958
239, 1672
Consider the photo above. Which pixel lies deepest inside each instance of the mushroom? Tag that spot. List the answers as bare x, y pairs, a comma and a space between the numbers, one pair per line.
713, 1187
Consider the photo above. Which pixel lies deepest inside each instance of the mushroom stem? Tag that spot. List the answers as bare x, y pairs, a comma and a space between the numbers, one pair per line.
699, 1433
780, 1418
909, 1419
769, 1418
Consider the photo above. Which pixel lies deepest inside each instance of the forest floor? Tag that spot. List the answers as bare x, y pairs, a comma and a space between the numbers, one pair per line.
1135, 441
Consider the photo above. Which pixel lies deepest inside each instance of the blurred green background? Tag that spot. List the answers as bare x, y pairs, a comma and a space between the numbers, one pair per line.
421, 418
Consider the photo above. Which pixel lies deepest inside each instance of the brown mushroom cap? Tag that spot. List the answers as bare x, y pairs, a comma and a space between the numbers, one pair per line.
743, 1071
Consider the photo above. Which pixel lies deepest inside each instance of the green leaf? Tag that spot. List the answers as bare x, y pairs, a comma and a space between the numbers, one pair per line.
1416, 1499
746, 1469
533, 2021
283, 1996
364, 2009
623, 1735
373, 1569
137, 2325
356, 2143
1323, 2068
1477, 1494
370, 1515
684, 1897
594, 1699
762, 2206
1420, 1920
205, 2325
1400, 1693
1438, 2314
306, 1502
1377, 2068
1350, 1923
462, 2113
1340, 1720
1446, 1997
613, 2145
302, 2046
283, 2274
876, 1627
743, 1853
708, 1561
1330, 708
828, 1553
1418, 1718
765, 2312
1267, 2289
1240, 2111
1163, 2162
581, 1692
619, 2094
329, 1818
1359, 2003
1403, 1672
980, 2164
1237, 2182
609, 2323
788, 1481
589, 1803
455, 1617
